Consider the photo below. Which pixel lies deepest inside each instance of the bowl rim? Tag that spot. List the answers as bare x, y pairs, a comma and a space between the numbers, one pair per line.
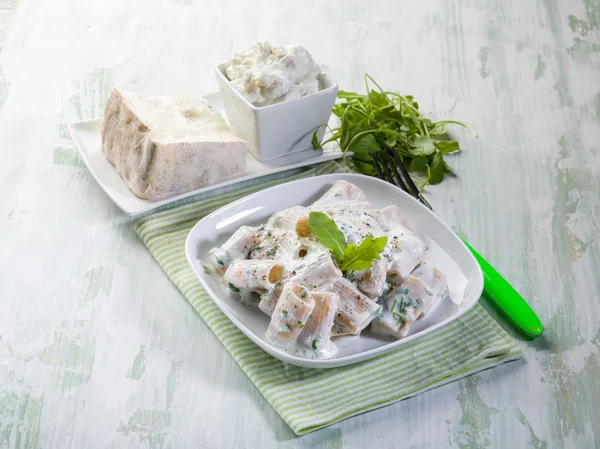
219, 70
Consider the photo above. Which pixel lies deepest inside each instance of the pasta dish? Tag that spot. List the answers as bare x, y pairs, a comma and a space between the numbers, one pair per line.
334, 268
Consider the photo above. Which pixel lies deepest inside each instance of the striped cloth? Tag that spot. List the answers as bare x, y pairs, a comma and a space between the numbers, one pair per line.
310, 399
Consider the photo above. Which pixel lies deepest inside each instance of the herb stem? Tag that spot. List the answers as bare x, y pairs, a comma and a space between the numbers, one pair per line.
374, 82
456, 122
355, 138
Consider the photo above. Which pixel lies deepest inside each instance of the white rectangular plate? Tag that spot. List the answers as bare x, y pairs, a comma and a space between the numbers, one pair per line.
87, 139
446, 250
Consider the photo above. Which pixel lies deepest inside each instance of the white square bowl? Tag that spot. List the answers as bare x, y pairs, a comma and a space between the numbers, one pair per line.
280, 129
446, 250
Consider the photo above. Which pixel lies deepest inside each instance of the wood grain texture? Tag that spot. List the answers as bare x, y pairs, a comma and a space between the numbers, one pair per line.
99, 349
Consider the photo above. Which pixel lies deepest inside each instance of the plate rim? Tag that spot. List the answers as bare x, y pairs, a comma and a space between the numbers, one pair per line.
350, 359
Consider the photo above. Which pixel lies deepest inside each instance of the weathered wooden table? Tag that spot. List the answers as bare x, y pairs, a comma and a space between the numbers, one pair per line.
99, 349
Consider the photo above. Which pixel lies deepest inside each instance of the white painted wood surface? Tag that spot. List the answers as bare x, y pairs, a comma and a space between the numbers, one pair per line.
7, 12
99, 349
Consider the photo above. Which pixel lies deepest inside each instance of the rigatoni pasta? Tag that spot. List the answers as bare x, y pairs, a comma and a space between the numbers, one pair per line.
318, 273
406, 252
355, 311
316, 335
291, 313
402, 307
436, 282
341, 191
253, 275
282, 268
237, 247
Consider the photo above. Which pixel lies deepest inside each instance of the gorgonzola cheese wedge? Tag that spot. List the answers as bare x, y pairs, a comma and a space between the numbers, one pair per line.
165, 146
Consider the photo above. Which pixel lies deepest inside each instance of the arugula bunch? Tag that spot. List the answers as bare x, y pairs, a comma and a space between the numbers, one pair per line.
348, 256
382, 119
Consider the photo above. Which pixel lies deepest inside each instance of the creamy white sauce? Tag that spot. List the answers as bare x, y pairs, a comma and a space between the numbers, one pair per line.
267, 74
303, 256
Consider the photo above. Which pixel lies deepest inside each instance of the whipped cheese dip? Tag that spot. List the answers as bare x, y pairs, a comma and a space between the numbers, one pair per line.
267, 74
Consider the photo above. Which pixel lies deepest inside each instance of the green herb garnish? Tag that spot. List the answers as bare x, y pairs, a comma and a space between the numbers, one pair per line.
398, 317
362, 256
383, 119
254, 248
300, 323
325, 229
315, 341
349, 256
234, 288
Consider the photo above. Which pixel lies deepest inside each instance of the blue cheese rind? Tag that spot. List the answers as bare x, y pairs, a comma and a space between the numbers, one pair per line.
166, 146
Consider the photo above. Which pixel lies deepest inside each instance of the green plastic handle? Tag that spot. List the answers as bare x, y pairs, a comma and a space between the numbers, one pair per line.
508, 299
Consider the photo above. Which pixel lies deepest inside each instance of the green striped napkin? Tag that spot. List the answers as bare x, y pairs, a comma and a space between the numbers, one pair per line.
310, 399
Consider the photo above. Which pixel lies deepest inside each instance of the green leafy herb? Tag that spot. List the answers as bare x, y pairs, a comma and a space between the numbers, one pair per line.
234, 288
328, 233
254, 248
398, 317
300, 323
315, 137
362, 256
447, 147
315, 341
349, 257
219, 261
382, 119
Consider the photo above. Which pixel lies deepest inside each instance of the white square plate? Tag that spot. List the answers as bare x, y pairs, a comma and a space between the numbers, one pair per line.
446, 250
87, 138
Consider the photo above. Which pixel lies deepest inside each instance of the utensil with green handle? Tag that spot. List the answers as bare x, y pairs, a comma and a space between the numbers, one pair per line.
507, 298
390, 168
